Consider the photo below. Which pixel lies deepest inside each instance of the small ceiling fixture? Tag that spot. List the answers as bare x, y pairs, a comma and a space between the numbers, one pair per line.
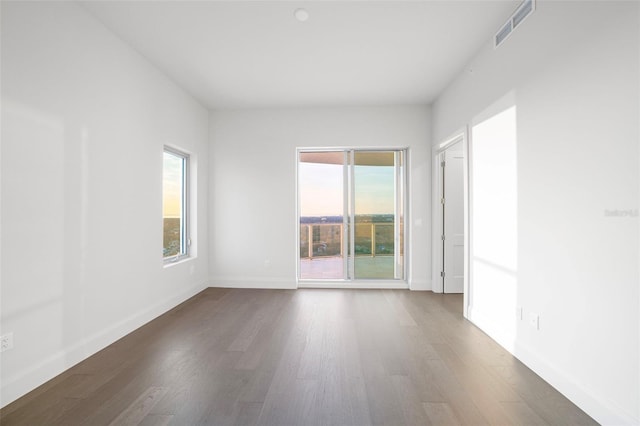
301, 14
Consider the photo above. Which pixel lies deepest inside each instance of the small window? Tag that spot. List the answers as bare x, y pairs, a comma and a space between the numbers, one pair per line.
175, 203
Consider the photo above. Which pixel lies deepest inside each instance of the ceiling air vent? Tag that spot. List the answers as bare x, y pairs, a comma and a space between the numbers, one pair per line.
525, 9
503, 33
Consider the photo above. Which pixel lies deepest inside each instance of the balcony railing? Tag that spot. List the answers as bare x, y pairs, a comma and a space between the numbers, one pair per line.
327, 239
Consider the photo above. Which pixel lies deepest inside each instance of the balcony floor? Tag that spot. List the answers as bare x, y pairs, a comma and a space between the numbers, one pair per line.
330, 268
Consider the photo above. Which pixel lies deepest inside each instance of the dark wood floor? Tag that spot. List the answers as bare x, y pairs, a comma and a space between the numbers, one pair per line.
301, 357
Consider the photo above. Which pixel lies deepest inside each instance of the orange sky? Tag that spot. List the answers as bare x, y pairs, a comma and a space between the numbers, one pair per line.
171, 186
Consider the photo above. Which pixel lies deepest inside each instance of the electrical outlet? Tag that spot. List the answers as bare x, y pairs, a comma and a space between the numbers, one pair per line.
519, 313
534, 320
6, 342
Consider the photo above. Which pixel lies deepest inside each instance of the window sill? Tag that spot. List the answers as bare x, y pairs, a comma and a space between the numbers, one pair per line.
169, 263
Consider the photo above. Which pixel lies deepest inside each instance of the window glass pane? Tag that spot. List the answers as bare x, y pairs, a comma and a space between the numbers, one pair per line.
173, 204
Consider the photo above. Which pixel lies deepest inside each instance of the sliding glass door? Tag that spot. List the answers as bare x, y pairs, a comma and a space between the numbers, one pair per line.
351, 214
378, 214
321, 183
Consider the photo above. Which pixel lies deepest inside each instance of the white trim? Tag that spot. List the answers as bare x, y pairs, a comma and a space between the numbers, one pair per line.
351, 213
494, 330
24, 381
457, 137
408, 221
179, 261
359, 284
186, 204
592, 401
420, 285
296, 222
436, 221
462, 135
466, 167
277, 283
347, 243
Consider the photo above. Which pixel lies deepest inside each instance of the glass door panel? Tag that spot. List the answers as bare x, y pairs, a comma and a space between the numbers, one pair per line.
374, 214
321, 204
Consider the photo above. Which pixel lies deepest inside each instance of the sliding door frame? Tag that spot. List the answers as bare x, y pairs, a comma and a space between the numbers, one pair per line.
401, 182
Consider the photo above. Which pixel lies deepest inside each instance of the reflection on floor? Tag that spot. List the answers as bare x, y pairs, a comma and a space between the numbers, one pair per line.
331, 268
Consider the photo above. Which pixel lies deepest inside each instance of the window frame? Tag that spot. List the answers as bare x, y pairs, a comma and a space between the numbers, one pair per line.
185, 238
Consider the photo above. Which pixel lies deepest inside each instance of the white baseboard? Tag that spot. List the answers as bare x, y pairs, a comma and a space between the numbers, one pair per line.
22, 382
283, 283
420, 285
361, 284
493, 329
592, 402
288, 283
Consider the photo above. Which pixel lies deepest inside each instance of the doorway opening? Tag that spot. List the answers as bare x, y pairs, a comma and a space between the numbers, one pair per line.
451, 169
450, 216
351, 205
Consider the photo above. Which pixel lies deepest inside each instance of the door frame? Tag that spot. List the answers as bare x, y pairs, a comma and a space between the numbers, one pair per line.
437, 230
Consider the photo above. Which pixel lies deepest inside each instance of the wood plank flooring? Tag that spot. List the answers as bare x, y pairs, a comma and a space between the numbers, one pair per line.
301, 357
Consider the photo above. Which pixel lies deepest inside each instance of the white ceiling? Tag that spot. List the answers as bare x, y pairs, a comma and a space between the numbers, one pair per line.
255, 54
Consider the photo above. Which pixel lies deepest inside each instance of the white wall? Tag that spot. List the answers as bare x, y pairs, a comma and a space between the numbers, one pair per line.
573, 68
252, 218
84, 120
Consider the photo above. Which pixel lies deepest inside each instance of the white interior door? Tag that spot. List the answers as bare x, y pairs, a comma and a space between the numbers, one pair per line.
453, 219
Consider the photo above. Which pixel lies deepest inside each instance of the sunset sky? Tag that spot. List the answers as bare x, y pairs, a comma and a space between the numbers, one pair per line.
171, 186
321, 189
